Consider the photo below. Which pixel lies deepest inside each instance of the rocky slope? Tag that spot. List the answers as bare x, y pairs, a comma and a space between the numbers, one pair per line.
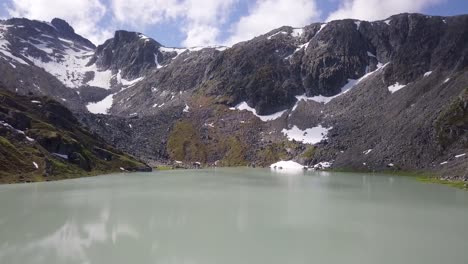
41, 140
359, 95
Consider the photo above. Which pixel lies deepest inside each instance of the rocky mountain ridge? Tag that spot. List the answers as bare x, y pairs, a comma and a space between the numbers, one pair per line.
356, 94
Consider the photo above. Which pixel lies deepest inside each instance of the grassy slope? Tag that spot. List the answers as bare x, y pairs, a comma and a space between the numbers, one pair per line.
53, 129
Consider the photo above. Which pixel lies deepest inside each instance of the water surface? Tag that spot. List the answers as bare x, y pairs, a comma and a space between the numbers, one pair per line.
224, 216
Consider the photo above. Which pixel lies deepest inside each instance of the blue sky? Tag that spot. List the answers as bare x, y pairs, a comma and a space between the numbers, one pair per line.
212, 22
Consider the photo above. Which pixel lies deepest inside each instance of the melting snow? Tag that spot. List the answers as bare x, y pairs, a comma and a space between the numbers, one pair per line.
289, 164
309, 136
443, 163
459, 156
60, 155
348, 86
367, 151
358, 23
101, 107
395, 87
427, 73
264, 118
323, 165
297, 32
186, 109
277, 33
35, 165
387, 21
446, 80
321, 27
370, 54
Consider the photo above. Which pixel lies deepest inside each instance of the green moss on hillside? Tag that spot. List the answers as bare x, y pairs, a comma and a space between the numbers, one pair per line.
185, 144
235, 155
60, 147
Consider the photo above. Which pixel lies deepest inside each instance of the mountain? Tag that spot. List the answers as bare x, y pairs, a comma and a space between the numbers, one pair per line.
41, 140
356, 95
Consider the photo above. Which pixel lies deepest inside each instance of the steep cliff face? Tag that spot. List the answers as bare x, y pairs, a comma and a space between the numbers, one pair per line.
41, 140
356, 94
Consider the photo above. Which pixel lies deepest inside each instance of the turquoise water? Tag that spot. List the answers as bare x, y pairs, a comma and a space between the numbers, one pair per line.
233, 216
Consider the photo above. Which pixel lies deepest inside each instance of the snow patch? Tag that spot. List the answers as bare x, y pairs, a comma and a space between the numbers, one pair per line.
395, 87
309, 136
287, 164
446, 80
264, 118
370, 54
367, 151
60, 155
443, 163
322, 165
101, 107
348, 86
186, 109
35, 165
321, 28
357, 23
297, 32
459, 156
427, 73
277, 33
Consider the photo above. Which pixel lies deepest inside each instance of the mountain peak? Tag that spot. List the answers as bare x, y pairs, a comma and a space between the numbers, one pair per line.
62, 26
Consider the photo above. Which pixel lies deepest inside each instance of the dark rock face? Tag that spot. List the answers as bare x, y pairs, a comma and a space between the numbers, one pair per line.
65, 30
130, 52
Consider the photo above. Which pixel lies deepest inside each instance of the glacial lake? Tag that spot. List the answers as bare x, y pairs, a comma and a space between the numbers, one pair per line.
224, 216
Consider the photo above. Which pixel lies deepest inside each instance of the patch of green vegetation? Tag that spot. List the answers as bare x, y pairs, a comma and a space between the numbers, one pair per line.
309, 153
184, 143
456, 184
163, 167
7, 144
54, 128
452, 123
235, 155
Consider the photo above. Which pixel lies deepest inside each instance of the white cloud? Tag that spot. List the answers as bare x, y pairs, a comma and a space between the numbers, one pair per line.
201, 20
140, 13
266, 15
205, 20
377, 9
83, 15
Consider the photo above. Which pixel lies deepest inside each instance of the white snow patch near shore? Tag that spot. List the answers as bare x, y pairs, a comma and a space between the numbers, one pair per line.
322, 165
395, 87
101, 107
309, 136
287, 164
264, 118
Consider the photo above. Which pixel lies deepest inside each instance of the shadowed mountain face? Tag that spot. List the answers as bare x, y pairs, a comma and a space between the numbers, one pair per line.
377, 95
